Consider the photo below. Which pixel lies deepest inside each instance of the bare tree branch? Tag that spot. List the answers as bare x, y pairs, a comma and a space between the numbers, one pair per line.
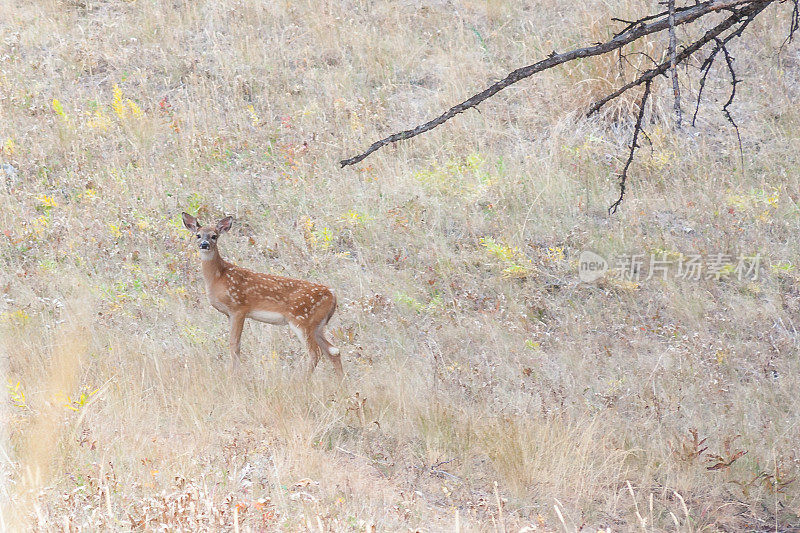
740, 12
794, 21
634, 32
750, 12
673, 59
705, 68
734, 82
636, 130
708, 63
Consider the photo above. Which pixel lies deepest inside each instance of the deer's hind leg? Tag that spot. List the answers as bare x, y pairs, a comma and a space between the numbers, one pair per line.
330, 350
319, 333
309, 339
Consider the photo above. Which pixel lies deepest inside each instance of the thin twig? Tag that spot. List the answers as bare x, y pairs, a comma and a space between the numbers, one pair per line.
734, 82
794, 25
794, 20
632, 23
705, 68
637, 128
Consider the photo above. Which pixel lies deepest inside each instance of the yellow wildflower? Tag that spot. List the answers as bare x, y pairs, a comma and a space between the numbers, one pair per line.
99, 120
47, 201
117, 104
9, 147
59, 109
136, 111
254, 118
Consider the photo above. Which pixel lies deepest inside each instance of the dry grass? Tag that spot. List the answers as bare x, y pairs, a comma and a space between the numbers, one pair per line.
486, 387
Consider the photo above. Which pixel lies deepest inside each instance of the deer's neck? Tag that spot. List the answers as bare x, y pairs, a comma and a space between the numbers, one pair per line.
213, 267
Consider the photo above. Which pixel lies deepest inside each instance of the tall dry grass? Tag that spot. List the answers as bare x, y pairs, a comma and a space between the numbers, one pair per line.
486, 387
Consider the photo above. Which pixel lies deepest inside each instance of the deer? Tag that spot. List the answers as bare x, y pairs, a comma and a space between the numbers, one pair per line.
240, 294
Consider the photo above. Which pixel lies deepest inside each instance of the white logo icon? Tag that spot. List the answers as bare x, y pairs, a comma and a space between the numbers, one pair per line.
591, 266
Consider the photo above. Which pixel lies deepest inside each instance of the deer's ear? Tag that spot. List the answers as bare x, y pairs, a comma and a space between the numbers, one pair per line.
224, 225
190, 222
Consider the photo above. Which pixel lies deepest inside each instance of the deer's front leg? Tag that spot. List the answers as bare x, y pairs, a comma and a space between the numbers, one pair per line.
237, 323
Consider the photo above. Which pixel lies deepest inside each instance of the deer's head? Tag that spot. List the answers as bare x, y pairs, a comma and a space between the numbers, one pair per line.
206, 235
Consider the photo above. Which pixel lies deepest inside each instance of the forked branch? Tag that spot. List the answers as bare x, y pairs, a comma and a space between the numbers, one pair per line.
747, 14
741, 13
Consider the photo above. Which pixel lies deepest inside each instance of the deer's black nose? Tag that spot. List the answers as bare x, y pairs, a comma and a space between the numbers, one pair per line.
204, 245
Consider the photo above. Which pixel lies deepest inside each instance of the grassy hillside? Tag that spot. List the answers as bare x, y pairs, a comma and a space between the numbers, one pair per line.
486, 388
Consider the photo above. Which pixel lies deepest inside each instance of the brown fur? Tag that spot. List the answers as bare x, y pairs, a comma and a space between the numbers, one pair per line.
241, 294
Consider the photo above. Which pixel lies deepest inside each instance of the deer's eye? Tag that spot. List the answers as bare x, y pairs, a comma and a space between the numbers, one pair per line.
213, 237
198, 235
